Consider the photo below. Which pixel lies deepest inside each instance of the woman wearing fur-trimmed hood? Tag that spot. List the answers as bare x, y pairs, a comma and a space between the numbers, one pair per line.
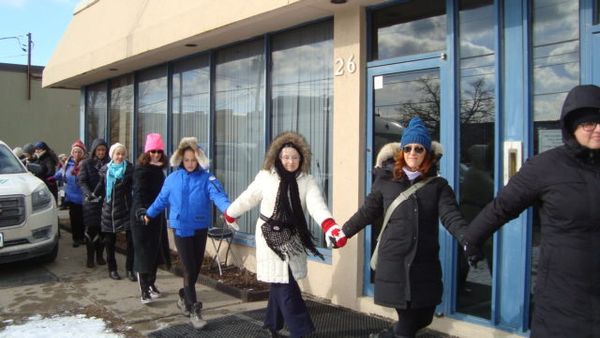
189, 192
285, 190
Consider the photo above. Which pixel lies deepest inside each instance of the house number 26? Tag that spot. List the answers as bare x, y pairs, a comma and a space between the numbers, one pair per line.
342, 66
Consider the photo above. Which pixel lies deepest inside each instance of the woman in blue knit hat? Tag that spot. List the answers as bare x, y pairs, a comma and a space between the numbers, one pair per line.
408, 271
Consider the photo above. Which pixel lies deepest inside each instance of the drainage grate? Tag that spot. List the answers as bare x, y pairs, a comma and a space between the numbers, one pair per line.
330, 321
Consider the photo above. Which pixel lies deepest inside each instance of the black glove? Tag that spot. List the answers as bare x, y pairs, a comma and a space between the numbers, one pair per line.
140, 214
473, 252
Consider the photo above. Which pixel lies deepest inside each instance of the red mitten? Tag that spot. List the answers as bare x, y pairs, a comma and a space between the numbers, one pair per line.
334, 236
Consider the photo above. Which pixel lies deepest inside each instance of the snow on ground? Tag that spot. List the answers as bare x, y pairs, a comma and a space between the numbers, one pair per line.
67, 326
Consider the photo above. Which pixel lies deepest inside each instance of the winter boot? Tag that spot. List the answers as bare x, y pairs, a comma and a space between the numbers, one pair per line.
196, 316
131, 276
185, 309
99, 249
90, 255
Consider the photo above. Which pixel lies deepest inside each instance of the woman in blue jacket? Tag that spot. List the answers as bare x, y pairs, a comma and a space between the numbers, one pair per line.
73, 196
189, 193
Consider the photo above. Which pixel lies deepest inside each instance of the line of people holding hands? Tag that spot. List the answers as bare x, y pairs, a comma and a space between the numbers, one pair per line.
564, 182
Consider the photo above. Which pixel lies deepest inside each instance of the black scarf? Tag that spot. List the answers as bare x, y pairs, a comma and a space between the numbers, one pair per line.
286, 231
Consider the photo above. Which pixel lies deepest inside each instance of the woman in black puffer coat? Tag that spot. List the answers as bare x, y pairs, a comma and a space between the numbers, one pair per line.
88, 178
565, 183
115, 186
409, 273
148, 179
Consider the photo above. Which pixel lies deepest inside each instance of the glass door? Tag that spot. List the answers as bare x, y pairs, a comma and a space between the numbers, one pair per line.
398, 93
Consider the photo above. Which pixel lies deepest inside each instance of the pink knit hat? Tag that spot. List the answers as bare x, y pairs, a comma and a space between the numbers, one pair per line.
78, 144
154, 142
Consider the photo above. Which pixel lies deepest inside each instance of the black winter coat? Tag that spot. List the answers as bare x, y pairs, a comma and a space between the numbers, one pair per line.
88, 179
564, 183
116, 212
147, 182
408, 267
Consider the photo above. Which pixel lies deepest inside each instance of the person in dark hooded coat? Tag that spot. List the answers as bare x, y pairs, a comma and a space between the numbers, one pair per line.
48, 161
408, 277
88, 178
565, 184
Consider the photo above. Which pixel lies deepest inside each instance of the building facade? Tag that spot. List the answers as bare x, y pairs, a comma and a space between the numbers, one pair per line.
488, 77
30, 113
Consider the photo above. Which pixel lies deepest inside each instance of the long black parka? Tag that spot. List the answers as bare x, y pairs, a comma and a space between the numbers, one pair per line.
408, 267
116, 212
88, 179
147, 182
564, 183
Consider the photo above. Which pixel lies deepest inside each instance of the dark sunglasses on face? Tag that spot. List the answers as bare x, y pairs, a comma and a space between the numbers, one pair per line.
417, 149
155, 151
589, 126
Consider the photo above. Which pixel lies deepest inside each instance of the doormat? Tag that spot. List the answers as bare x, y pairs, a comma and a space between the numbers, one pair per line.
330, 322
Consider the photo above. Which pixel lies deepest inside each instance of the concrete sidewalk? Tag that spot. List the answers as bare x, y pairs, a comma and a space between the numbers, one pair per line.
67, 286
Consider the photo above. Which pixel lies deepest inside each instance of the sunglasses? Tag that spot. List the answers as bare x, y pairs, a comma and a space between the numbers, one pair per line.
417, 149
155, 151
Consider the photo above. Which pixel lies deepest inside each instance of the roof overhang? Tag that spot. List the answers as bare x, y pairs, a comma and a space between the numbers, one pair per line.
107, 38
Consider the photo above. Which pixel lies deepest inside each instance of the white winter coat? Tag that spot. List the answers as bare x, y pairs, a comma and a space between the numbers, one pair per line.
269, 267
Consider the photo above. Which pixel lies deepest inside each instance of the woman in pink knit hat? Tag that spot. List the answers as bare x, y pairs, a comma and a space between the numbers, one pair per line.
148, 178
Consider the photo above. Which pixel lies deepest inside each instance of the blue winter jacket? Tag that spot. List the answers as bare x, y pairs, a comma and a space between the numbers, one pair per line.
188, 197
73, 193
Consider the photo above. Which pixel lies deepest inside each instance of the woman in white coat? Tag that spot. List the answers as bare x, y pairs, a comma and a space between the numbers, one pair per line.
285, 189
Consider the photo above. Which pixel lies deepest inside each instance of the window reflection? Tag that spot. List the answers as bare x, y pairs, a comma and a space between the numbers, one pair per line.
152, 105
555, 71
477, 125
239, 119
191, 100
408, 28
302, 90
96, 107
121, 112
596, 12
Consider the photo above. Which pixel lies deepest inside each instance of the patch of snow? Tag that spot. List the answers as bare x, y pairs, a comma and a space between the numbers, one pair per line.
59, 327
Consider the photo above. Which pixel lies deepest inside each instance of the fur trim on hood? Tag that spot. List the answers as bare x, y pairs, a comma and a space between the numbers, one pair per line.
185, 143
288, 137
388, 151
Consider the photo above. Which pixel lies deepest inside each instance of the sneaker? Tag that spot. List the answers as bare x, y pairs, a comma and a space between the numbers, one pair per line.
146, 299
181, 304
196, 317
154, 293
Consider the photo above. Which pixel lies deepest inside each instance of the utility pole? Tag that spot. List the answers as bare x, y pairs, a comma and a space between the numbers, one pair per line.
29, 66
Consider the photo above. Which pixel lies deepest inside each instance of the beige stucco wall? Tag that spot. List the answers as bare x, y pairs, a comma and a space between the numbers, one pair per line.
51, 115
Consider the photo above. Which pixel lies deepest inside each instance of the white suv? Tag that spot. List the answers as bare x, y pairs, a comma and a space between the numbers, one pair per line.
28, 216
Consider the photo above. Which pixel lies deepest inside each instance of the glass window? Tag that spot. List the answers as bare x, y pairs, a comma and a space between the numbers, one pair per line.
152, 105
477, 25
121, 112
408, 28
555, 71
191, 100
596, 12
239, 119
95, 112
302, 96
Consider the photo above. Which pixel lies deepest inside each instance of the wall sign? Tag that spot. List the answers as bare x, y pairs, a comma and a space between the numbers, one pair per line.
344, 65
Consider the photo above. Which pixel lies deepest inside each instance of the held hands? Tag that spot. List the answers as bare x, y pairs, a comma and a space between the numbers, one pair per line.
140, 215
91, 198
231, 222
473, 252
334, 236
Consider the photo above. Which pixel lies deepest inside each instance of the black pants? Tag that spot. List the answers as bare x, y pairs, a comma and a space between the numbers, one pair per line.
286, 305
95, 244
412, 319
191, 254
76, 218
110, 238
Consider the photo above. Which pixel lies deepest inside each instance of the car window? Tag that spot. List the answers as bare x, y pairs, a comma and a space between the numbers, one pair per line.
9, 164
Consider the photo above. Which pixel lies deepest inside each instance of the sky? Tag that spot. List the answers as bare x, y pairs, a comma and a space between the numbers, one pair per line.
46, 20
